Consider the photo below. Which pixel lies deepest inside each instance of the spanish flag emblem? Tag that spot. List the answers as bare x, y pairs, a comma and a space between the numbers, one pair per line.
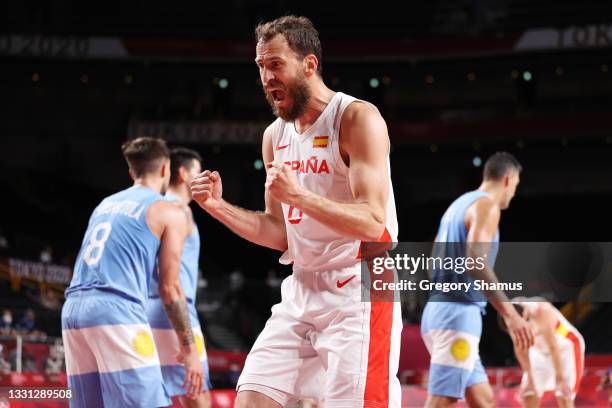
320, 141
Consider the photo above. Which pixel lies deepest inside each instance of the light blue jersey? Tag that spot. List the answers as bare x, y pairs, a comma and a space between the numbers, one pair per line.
450, 242
119, 251
111, 358
451, 324
190, 259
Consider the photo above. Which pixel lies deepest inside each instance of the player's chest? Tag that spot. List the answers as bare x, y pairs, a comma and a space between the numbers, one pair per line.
310, 158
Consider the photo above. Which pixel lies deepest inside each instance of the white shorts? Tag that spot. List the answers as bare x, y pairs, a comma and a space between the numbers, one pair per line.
323, 342
543, 369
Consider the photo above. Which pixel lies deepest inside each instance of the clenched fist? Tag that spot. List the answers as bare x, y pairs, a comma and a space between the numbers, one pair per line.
206, 189
281, 183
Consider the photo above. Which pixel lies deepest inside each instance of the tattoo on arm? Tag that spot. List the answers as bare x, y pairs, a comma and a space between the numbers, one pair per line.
179, 317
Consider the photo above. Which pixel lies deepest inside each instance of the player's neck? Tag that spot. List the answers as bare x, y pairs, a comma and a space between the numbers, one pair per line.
180, 192
148, 182
494, 190
319, 99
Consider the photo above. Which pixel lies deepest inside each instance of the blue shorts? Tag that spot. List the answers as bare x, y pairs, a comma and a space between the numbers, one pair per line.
451, 331
111, 359
168, 346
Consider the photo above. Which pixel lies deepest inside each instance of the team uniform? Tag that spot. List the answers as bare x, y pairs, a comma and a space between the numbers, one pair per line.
111, 359
571, 347
163, 333
321, 334
451, 325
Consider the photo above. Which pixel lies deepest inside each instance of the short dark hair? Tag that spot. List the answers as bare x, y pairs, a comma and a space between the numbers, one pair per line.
181, 157
145, 154
299, 32
498, 165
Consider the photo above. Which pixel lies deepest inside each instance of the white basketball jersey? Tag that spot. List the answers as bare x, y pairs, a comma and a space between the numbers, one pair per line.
315, 158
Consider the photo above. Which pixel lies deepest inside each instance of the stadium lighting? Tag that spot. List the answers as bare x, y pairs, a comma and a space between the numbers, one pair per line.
374, 83
477, 161
527, 76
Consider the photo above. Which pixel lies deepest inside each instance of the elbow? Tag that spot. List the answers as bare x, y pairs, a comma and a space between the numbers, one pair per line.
375, 232
169, 292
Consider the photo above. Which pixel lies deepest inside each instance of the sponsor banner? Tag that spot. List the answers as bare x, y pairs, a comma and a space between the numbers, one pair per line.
480, 272
37, 271
194, 132
543, 38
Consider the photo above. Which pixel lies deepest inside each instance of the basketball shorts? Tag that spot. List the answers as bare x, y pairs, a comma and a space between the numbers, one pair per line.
543, 369
168, 346
111, 358
323, 342
451, 332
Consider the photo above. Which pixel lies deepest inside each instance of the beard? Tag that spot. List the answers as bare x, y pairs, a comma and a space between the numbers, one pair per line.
299, 92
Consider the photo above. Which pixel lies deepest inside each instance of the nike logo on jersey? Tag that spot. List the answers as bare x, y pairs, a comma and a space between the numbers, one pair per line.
281, 147
342, 284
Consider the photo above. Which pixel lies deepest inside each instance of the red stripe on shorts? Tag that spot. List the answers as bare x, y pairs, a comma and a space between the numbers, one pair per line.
577, 359
381, 323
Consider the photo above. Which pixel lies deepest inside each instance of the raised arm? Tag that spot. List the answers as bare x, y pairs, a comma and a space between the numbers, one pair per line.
263, 228
365, 143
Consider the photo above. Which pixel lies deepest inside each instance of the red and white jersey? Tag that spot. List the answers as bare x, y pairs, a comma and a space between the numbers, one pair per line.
565, 333
315, 157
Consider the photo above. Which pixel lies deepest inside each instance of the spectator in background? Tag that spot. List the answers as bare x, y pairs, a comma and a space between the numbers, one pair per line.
27, 324
5, 366
55, 362
3, 241
6, 325
46, 255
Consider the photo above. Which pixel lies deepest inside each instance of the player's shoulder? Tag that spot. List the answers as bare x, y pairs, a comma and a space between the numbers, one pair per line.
483, 209
165, 208
273, 127
485, 205
359, 111
271, 130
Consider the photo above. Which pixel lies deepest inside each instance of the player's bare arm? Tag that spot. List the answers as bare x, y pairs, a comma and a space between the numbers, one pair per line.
265, 228
481, 220
364, 145
171, 222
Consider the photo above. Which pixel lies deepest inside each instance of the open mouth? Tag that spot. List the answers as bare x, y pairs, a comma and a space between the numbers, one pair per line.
278, 95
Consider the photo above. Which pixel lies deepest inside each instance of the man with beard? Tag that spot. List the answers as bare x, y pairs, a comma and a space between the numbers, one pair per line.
328, 189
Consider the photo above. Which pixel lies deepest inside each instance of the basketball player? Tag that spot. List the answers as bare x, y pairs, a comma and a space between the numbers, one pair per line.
185, 164
451, 325
556, 360
328, 188
111, 359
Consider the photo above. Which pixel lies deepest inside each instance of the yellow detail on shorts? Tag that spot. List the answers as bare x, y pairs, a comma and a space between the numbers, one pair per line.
143, 344
460, 349
199, 342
